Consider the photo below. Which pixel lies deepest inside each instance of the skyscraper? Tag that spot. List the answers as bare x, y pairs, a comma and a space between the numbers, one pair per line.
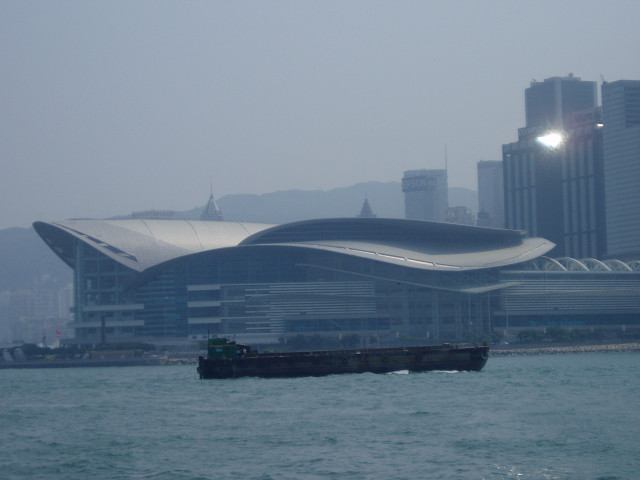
490, 194
425, 195
621, 115
552, 189
532, 188
551, 102
584, 229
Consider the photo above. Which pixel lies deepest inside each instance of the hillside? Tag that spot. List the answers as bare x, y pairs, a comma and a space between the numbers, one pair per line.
386, 200
25, 258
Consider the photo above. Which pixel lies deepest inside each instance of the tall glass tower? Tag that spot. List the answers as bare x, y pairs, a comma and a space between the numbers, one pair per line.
549, 103
553, 191
621, 115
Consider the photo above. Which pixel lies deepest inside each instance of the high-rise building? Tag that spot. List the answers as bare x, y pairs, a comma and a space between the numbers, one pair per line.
584, 229
554, 189
425, 195
490, 194
551, 102
621, 115
532, 188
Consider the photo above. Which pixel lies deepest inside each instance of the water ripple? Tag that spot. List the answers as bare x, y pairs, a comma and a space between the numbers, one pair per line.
525, 418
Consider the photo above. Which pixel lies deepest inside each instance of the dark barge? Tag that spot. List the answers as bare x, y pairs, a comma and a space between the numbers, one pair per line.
231, 360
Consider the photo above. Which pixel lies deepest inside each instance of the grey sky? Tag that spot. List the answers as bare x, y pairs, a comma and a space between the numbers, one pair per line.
111, 107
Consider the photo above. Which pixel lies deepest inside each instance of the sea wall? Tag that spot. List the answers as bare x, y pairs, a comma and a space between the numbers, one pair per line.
510, 350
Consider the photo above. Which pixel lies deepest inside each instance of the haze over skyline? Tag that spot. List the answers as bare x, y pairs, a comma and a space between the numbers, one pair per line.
114, 107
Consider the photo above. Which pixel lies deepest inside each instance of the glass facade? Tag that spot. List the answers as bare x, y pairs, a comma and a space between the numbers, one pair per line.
268, 292
558, 193
621, 113
550, 102
583, 197
533, 190
569, 298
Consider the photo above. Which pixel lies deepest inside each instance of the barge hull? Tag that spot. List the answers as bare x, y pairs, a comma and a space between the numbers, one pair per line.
382, 360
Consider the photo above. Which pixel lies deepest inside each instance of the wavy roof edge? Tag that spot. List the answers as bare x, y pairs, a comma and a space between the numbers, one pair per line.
140, 244
419, 226
147, 244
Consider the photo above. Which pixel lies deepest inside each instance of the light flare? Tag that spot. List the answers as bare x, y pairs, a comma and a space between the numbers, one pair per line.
551, 140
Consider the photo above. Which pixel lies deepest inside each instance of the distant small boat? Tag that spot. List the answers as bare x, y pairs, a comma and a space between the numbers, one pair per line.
227, 359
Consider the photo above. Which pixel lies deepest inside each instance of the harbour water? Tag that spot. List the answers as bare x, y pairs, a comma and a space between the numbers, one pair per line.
525, 417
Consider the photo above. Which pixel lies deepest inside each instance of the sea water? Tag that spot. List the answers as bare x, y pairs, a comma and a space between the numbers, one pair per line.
528, 417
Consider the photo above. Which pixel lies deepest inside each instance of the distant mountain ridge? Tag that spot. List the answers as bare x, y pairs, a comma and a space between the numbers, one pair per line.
386, 200
24, 256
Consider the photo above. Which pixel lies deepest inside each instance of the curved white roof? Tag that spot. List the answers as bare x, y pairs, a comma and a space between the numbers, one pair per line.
411, 243
143, 244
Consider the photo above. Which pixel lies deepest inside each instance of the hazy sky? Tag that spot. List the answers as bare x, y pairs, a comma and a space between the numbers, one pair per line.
109, 107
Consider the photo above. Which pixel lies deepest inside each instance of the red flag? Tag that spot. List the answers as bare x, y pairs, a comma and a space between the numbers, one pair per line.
58, 334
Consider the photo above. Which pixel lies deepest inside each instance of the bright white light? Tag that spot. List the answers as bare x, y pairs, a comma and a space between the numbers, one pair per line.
551, 139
